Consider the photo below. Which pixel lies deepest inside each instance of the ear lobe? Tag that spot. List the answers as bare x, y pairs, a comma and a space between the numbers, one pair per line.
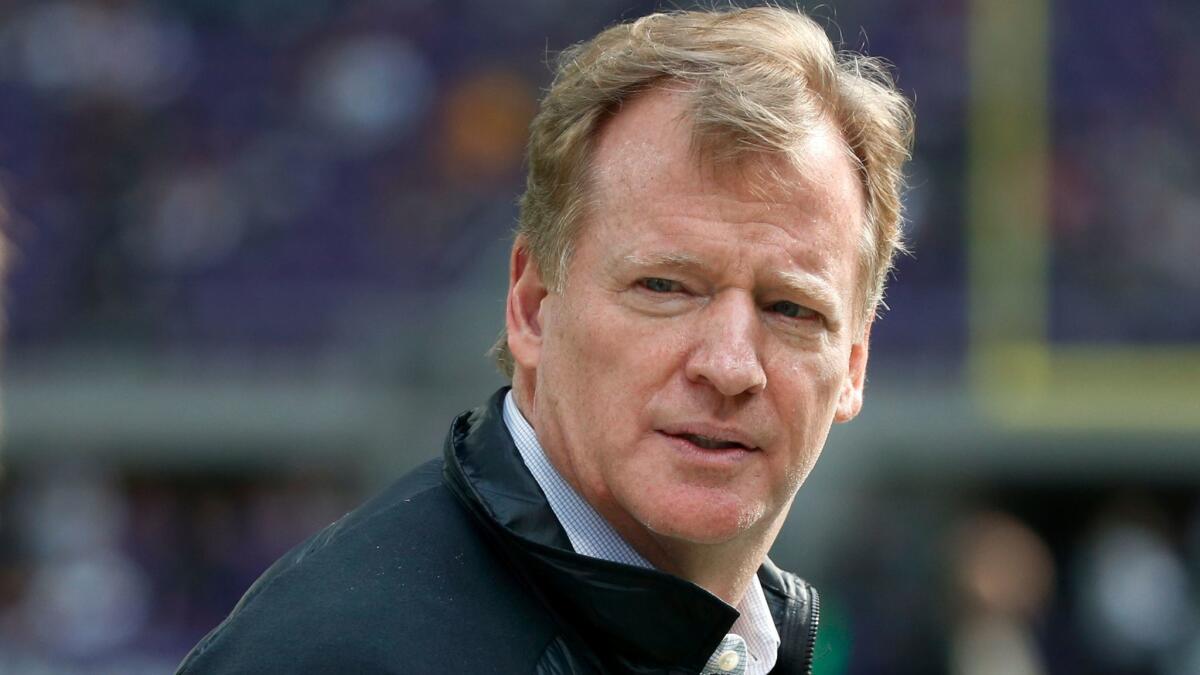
850, 399
523, 315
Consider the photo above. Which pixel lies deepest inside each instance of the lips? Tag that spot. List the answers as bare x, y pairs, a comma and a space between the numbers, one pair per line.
710, 437
712, 443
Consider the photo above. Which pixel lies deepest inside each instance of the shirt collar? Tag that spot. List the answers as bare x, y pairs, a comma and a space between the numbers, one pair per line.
591, 535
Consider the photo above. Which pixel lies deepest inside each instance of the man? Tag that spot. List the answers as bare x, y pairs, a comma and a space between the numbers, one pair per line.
711, 209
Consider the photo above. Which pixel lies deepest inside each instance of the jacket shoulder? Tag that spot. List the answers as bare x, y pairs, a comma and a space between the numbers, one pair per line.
404, 583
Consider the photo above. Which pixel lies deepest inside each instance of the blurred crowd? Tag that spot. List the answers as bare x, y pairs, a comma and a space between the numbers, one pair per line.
201, 177
1126, 178
204, 174
138, 566
1126, 175
1018, 579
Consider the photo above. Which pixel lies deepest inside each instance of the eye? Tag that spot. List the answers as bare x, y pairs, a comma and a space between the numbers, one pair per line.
792, 310
659, 285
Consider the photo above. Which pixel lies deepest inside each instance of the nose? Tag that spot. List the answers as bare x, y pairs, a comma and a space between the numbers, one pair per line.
726, 352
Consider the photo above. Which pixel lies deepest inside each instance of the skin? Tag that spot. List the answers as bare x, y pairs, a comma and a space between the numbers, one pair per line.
696, 304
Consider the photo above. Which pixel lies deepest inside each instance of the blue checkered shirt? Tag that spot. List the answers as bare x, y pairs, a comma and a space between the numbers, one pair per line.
593, 536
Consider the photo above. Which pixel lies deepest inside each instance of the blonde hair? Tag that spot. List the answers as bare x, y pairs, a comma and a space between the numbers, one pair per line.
759, 80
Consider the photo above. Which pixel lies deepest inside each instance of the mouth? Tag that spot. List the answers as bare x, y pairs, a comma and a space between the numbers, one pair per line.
710, 440
710, 443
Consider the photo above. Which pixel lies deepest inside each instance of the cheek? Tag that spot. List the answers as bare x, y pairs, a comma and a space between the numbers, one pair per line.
586, 358
810, 381
614, 344
808, 426
806, 400
586, 343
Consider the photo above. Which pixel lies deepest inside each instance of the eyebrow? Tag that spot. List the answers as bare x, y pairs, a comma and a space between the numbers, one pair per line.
670, 260
811, 286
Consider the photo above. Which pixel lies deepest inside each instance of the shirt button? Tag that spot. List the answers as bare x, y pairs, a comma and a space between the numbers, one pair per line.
727, 661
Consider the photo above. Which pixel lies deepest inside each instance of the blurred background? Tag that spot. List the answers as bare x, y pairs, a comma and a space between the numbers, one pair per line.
259, 252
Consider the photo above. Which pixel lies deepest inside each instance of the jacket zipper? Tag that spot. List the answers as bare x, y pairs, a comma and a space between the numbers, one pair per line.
814, 617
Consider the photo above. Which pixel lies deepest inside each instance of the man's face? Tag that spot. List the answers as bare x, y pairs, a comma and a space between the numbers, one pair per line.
686, 376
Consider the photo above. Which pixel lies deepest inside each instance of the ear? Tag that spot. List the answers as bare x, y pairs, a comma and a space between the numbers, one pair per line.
850, 399
523, 316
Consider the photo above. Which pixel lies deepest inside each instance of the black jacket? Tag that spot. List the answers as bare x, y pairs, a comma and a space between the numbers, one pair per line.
461, 567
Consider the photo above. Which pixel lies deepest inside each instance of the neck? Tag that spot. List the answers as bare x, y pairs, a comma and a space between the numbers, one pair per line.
522, 392
724, 569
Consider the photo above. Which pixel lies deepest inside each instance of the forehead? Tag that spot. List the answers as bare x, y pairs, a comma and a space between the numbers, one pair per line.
647, 147
648, 177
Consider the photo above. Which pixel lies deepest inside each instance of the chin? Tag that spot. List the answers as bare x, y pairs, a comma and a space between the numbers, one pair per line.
704, 518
